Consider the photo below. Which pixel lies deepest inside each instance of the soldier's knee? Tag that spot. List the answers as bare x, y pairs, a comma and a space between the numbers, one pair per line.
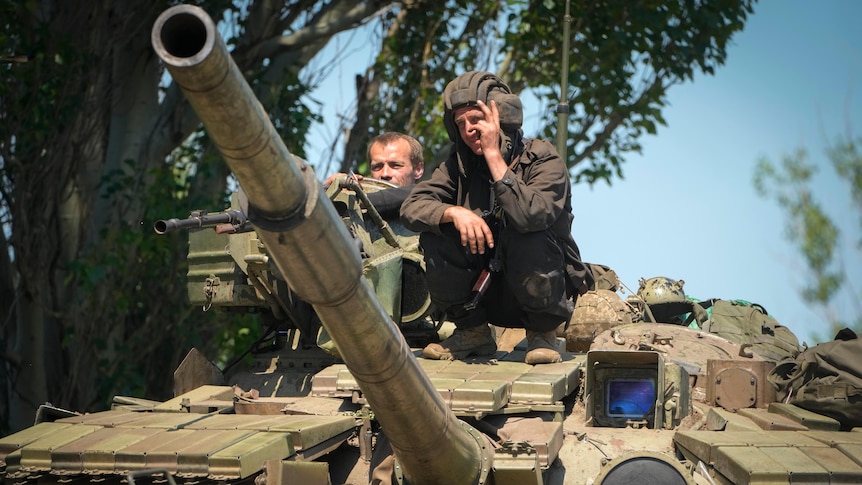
542, 290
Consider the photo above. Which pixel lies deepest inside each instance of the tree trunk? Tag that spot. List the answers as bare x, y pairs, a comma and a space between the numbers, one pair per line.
29, 388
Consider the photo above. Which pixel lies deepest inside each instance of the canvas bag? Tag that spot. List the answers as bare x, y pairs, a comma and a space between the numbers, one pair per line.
748, 323
825, 379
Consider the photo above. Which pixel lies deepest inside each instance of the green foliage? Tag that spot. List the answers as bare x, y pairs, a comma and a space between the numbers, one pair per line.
39, 90
134, 277
290, 115
239, 333
624, 56
84, 172
811, 230
847, 160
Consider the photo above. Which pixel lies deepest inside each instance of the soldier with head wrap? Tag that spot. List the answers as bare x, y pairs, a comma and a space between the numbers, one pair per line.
499, 203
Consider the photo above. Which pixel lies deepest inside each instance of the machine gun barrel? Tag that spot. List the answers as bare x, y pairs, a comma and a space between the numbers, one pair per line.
304, 235
229, 221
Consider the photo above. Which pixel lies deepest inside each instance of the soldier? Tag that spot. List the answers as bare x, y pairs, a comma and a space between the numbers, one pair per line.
395, 158
500, 205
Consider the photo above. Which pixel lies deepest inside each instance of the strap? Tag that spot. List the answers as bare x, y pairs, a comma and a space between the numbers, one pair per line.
835, 391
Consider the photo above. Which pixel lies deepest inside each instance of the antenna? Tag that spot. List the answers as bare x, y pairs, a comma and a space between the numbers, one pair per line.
563, 106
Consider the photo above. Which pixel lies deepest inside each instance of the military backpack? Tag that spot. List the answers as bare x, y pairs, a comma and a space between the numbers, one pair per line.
748, 323
825, 379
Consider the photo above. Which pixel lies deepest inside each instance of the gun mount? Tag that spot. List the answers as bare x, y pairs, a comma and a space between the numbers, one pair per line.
636, 399
227, 222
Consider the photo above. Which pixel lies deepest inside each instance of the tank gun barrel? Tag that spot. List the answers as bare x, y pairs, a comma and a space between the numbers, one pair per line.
304, 235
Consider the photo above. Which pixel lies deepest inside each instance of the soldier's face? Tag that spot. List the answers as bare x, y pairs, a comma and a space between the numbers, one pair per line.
391, 162
466, 119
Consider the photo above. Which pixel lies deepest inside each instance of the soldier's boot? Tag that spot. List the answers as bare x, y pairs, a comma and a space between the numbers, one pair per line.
462, 343
542, 348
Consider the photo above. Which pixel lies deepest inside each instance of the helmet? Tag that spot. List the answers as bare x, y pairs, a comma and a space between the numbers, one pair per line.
665, 300
473, 86
661, 289
596, 311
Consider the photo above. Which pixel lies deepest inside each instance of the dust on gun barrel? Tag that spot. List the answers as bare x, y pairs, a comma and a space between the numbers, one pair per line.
226, 222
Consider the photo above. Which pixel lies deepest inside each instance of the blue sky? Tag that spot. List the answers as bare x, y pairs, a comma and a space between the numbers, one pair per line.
687, 208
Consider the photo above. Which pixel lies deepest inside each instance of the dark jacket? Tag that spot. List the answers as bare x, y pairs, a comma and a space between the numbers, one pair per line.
388, 201
534, 195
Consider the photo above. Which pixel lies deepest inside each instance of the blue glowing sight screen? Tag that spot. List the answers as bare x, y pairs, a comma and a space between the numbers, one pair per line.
630, 398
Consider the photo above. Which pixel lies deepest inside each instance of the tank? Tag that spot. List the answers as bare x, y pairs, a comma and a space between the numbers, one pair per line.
335, 390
